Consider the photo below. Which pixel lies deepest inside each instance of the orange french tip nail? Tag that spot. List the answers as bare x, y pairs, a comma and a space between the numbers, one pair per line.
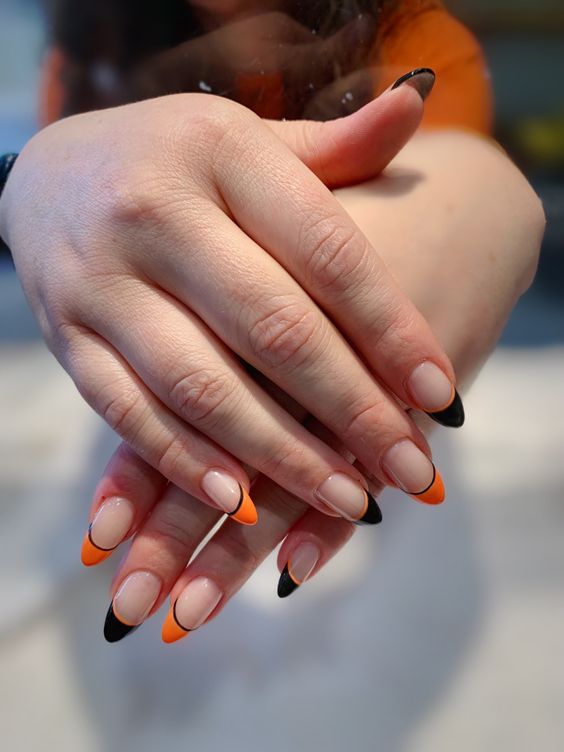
435, 494
172, 632
91, 555
246, 512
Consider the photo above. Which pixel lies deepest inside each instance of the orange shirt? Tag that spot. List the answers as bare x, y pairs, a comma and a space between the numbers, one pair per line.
424, 35
419, 34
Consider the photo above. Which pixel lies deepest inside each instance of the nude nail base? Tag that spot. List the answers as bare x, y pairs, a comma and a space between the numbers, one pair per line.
452, 416
114, 629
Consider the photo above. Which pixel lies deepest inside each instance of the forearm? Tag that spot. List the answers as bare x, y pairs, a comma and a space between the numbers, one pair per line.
460, 228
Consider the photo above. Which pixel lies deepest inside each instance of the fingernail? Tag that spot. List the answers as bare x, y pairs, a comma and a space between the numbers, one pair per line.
347, 497
107, 530
191, 609
414, 472
131, 605
300, 565
230, 495
434, 392
420, 79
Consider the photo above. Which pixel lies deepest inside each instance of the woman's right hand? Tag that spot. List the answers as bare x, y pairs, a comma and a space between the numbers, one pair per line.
158, 241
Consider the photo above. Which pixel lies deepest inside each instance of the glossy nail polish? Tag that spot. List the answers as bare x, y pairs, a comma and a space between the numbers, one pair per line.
301, 564
107, 530
348, 498
434, 393
131, 605
191, 609
230, 495
420, 79
414, 472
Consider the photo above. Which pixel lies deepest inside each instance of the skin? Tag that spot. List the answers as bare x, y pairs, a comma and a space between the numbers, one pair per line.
465, 282
170, 235
466, 288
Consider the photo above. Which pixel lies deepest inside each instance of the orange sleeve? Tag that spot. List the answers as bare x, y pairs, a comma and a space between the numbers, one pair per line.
462, 96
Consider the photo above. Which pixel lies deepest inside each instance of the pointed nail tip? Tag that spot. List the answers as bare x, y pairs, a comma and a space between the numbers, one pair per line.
286, 585
247, 513
114, 629
373, 514
90, 556
451, 417
171, 631
435, 495
421, 79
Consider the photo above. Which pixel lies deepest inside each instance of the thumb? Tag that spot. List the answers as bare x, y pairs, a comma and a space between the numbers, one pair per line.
358, 147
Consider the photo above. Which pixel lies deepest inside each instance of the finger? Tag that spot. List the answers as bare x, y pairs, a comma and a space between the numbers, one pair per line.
358, 147
195, 375
228, 559
180, 453
310, 234
127, 491
272, 324
159, 552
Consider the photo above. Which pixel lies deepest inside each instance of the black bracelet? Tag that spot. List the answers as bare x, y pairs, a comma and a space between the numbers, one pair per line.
6, 164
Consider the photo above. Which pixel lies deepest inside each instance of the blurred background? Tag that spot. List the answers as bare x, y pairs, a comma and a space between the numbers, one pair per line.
449, 635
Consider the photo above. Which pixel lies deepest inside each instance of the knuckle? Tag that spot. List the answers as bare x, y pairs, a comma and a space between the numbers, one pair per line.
200, 395
175, 527
284, 336
363, 419
337, 255
122, 410
289, 459
170, 458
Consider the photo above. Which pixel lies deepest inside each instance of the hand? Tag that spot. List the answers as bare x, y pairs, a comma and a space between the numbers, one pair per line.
465, 276
155, 240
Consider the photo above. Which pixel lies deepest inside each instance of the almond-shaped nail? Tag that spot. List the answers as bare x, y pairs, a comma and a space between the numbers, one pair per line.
230, 495
301, 563
434, 392
107, 530
131, 605
414, 472
348, 498
191, 609
420, 79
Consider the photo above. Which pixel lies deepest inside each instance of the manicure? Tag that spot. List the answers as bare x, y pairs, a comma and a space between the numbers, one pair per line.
349, 499
434, 392
131, 605
420, 79
191, 609
300, 565
414, 472
107, 530
230, 495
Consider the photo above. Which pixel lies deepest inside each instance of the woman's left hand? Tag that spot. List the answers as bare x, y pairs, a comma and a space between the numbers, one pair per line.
464, 275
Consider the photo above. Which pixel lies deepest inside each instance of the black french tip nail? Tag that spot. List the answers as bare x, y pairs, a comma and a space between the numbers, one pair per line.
114, 629
373, 514
286, 584
452, 416
421, 79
